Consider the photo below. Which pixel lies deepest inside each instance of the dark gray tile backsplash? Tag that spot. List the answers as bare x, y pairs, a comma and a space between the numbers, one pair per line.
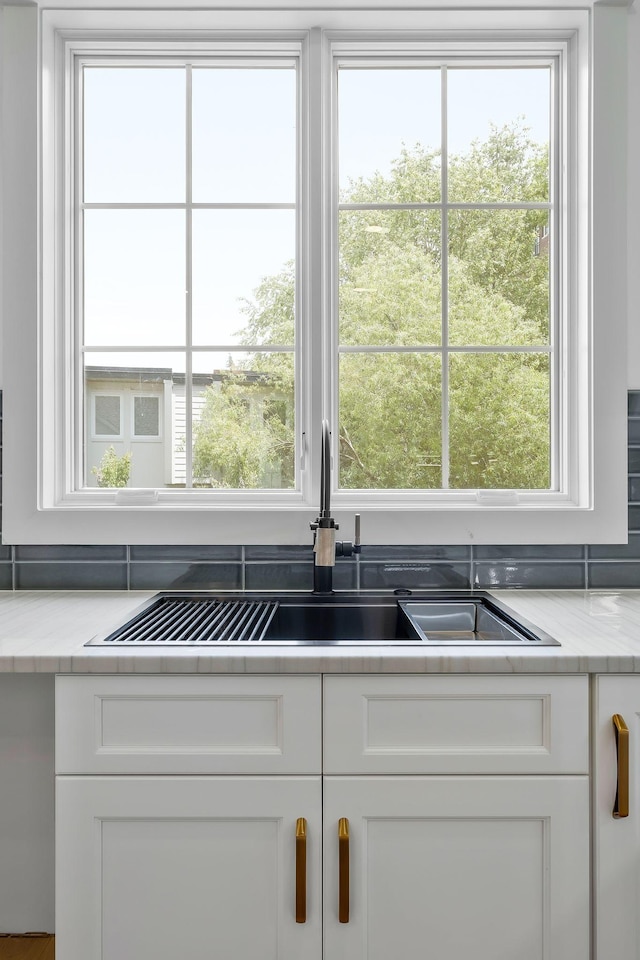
616, 551
284, 567
529, 551
71, 552
416, 576
181, 552
185, 576
70, 575
613, 574
279, 576
416, 552
558, 575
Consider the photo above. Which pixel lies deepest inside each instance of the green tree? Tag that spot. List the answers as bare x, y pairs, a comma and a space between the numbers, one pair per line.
114, 471
244, 437
390, 289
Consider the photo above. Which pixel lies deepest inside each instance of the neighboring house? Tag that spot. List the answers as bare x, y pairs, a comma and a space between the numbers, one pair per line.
142, 411
127, 410
542, 241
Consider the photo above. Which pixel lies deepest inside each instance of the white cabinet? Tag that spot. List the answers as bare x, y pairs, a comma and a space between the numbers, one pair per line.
462, 724
459, 868
491, 866
462, 805
156, 868
617, 838
169, 865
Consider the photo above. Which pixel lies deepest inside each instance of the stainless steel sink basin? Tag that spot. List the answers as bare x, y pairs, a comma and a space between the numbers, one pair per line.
471, 621
183, 620
373, 621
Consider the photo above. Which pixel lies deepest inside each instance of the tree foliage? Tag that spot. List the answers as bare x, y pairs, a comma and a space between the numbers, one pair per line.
244, 438
114, 471
390, 295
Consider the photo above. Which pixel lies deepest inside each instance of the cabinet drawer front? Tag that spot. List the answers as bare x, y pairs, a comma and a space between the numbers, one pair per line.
188, 725
439, 724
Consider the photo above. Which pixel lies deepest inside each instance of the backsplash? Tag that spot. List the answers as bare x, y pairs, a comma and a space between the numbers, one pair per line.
264, 568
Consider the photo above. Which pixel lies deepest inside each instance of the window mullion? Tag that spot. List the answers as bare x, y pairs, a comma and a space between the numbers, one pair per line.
318, 253
444, 265
76, 401
188, 380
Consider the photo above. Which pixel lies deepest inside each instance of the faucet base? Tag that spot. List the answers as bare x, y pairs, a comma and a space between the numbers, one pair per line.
322, 580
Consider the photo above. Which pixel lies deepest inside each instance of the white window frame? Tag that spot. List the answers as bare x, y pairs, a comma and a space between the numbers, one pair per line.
43, 506
555, 56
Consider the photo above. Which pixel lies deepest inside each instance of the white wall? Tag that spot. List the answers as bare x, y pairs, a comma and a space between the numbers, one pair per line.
26, 795
26, 803
633, 197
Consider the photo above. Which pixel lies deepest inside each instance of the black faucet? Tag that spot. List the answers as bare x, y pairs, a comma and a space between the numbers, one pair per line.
325, 547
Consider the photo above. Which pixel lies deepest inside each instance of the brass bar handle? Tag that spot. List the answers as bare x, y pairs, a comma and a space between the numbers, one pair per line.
301, 870
621, 731
343, 870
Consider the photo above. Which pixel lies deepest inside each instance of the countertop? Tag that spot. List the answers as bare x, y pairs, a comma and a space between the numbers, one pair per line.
45, 632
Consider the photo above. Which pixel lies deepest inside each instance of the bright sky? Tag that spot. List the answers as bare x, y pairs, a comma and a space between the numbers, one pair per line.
243, 151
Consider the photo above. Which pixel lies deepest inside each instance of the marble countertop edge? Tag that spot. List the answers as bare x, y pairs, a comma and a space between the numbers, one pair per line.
45, 632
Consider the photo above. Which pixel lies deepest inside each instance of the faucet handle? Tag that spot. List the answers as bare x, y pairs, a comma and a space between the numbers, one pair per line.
347, 548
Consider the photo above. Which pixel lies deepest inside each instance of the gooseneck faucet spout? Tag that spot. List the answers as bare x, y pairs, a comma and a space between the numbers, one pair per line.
325, 472
325, 547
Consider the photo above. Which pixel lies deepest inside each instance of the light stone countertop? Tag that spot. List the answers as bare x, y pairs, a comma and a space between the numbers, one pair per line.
45, 632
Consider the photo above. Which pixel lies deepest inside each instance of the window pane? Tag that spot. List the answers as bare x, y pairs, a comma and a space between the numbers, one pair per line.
499, 421
243, 420
390, 278
244, 135
146, 416
389, 118
498, 277
107, 416
147, 385
134, 277
134, 135
243, 276
390, 421
498, 134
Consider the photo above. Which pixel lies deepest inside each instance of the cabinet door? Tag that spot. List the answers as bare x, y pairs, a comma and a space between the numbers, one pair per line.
186, 867
458, 868
617, 839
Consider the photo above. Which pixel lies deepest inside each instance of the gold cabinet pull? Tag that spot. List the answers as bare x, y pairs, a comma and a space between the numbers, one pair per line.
343, 870
621, 730
301, 870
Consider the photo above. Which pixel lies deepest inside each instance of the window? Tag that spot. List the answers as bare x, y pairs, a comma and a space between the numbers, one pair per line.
188, 182
106, 416
146, 417
385, 220
443, 308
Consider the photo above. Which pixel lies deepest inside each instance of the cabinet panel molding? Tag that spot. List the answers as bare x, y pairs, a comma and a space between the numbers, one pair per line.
497, 725
166, 867
464, 866
617, 839
119, 725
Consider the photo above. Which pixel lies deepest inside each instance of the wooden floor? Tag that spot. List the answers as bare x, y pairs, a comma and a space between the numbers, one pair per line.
27, 948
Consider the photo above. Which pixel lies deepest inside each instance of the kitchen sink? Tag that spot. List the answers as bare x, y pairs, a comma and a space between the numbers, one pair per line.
369, 621
188, 620
471, 621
